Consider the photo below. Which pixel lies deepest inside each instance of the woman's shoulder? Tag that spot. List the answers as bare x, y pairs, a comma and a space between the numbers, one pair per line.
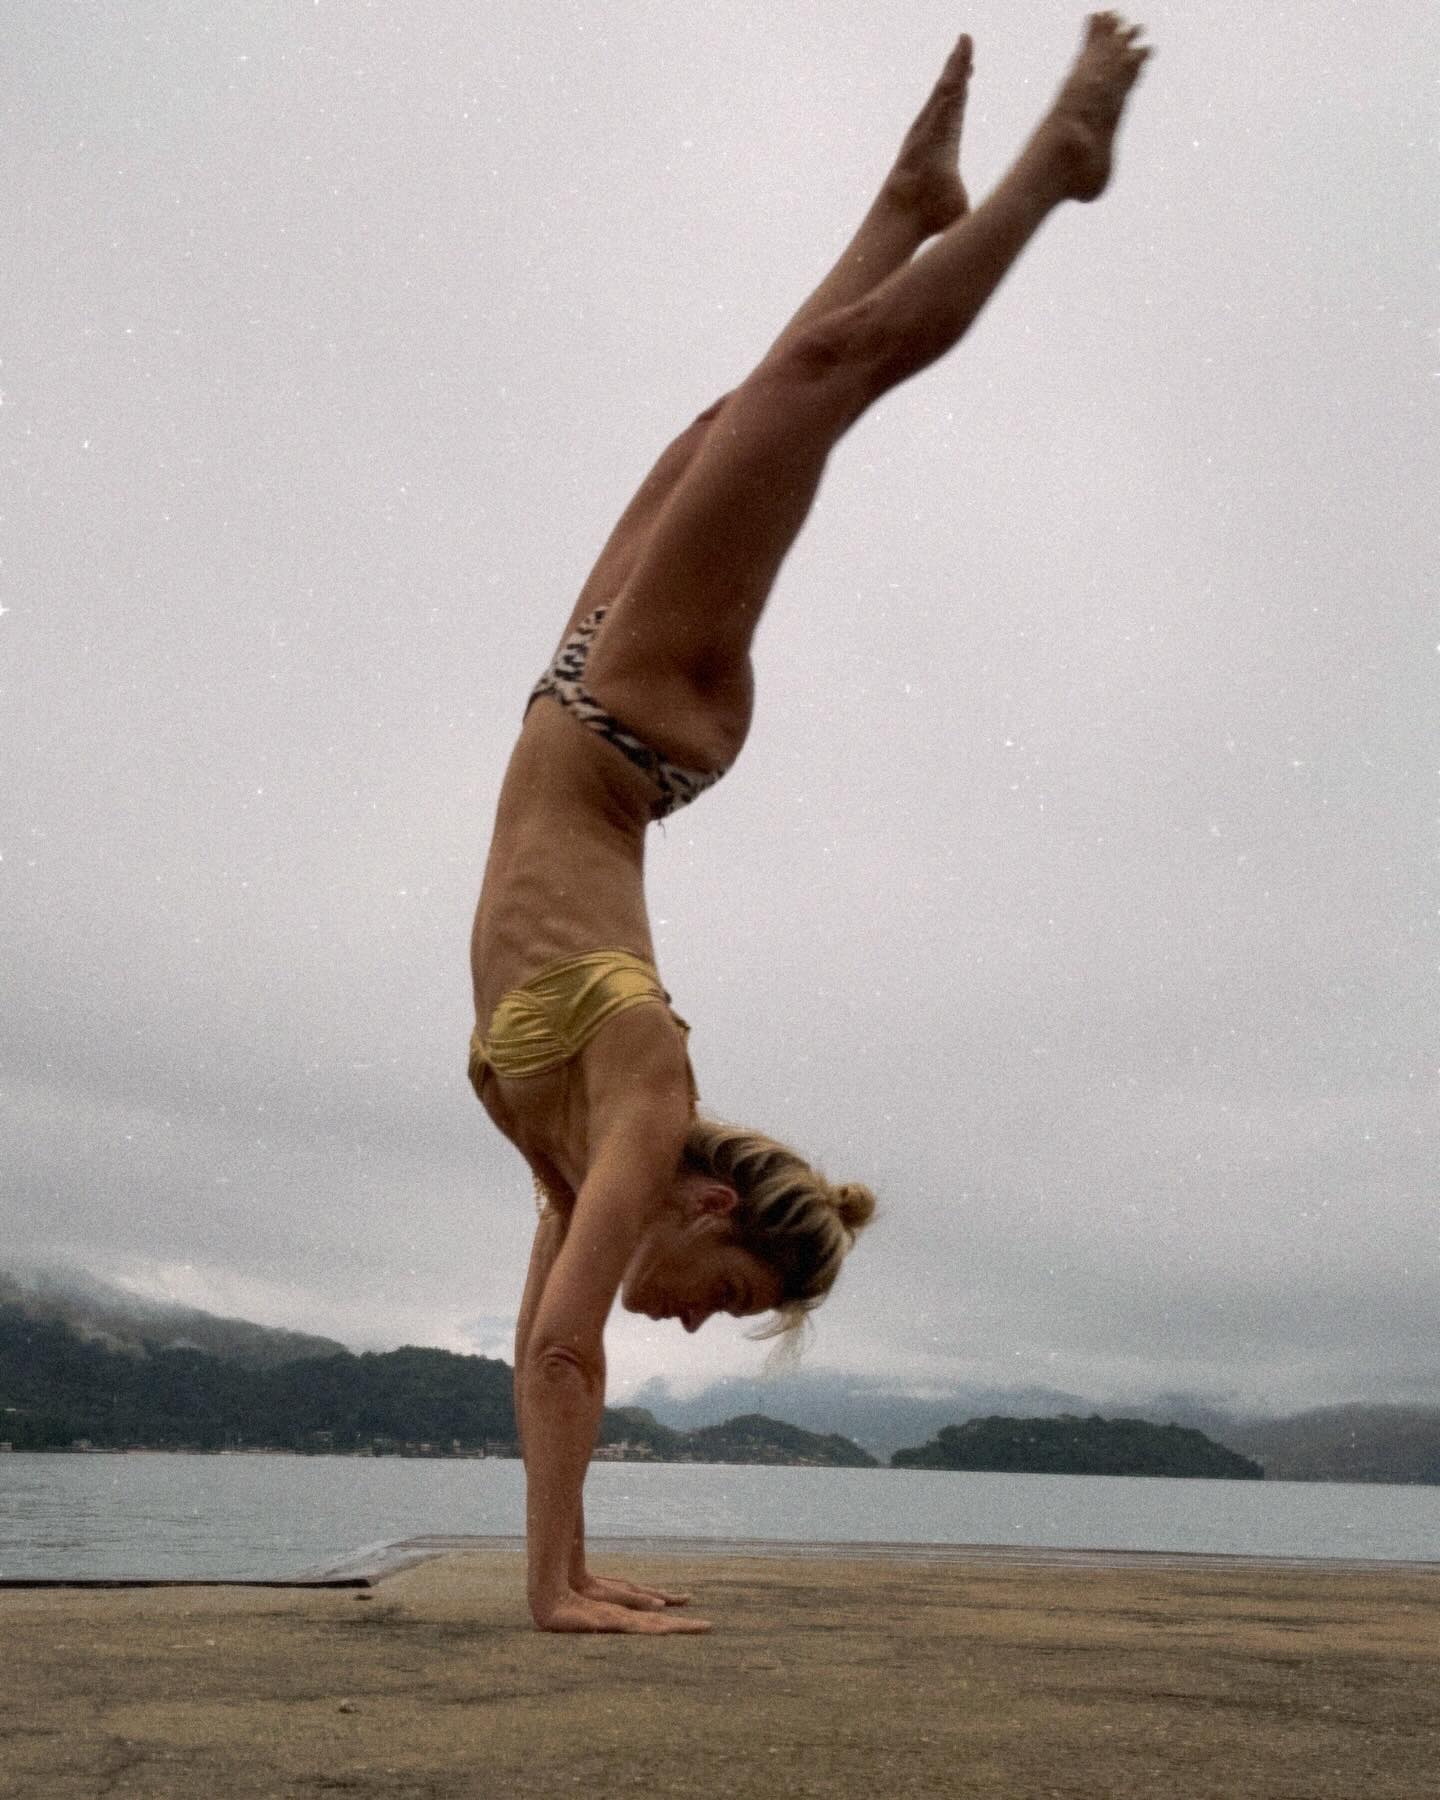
637, 1077
543, 1117
628, 1095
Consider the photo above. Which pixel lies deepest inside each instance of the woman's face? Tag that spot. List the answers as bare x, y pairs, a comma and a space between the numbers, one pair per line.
687, 1267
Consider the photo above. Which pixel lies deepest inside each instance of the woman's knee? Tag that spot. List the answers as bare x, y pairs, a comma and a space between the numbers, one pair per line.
712, 411
836, 366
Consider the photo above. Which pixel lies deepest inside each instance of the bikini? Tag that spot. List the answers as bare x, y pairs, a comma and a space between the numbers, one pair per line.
564, 681
548, 1020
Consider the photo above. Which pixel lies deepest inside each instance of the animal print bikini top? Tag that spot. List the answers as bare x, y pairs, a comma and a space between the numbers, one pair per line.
564, 681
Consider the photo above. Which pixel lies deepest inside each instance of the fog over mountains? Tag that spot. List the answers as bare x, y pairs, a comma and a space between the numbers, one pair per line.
126, 1321
1356, 1442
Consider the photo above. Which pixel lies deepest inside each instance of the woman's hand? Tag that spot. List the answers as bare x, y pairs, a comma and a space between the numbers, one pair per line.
562, 1382
625, 1593
581, 1612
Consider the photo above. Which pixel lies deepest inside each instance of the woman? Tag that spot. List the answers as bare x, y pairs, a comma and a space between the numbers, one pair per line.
577, 1056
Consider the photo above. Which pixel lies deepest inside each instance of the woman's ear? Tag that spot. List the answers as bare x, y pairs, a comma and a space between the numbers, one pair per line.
716, 1198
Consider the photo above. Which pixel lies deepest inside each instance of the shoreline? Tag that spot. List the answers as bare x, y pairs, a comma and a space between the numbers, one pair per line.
370, 1564
391, 1558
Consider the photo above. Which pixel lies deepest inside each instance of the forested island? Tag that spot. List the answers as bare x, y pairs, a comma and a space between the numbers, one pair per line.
60, 1390
751, 1438
1073, 1446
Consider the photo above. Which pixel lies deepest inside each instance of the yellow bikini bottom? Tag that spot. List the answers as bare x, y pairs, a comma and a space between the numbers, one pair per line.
549, 1019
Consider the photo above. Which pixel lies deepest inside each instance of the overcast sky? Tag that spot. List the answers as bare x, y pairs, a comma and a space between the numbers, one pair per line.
1077, 886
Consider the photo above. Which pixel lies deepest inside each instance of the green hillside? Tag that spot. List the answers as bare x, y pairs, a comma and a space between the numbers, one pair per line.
57, 1388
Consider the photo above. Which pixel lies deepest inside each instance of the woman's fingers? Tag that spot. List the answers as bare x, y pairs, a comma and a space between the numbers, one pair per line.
666, 1624
629, 1593
579, 1612
664, 1597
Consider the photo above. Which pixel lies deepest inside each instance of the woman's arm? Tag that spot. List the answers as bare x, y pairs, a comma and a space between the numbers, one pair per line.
561, 1384
549, 1236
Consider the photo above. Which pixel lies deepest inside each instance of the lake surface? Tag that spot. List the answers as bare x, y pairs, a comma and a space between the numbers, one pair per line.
177, 1515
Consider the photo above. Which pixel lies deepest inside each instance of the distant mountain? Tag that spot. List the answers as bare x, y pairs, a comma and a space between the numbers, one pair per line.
875, 1414
756, 1439
1355, 1442
1346, 1443
198, 1365
58, 1389
130, 1323
1074, 1446
884, 1418
752, 1438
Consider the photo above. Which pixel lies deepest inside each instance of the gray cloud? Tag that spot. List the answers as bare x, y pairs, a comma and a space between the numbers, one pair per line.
1076, 886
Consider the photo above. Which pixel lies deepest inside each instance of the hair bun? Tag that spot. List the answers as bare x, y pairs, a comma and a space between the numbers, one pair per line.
854, 1203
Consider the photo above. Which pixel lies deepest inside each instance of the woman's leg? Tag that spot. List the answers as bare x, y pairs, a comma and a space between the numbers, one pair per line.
690, 608
920, 196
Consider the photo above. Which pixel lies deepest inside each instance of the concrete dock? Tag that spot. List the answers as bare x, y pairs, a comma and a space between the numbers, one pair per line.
1052, 1675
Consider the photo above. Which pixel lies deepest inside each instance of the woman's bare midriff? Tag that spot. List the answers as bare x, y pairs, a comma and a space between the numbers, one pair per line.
565, 876
566, 870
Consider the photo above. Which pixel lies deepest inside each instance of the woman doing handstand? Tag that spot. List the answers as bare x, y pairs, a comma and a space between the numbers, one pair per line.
577, 1056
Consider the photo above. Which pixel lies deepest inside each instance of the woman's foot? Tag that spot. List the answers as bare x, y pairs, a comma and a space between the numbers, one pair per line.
926, 176
1080, 129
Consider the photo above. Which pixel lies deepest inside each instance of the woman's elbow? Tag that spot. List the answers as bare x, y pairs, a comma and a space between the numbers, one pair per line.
560, 1366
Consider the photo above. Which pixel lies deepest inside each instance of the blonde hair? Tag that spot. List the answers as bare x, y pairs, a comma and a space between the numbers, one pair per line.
789, 1215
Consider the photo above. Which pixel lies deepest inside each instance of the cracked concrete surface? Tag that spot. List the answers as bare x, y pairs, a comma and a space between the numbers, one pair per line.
837, 1678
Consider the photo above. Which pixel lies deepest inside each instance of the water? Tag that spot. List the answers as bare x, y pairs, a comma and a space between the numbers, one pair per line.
173, 1515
